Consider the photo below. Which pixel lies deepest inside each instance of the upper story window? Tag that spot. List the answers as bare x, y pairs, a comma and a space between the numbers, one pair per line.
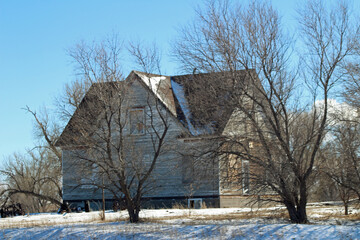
137, 121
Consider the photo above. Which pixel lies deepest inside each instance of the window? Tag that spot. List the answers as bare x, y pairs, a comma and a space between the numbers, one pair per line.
246, 177
137, 121
232, 173
187, 170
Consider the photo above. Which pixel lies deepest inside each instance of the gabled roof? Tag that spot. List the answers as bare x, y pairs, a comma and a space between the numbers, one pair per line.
200, 102
204, 101
161, 86
72, 134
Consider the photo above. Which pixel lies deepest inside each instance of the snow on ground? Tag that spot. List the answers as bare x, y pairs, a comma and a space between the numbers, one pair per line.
240, 229
230, 223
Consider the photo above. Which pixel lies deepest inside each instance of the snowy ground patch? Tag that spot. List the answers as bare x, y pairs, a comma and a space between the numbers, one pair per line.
212, 230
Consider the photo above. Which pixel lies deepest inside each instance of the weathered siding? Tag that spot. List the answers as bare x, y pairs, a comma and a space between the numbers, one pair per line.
167, 178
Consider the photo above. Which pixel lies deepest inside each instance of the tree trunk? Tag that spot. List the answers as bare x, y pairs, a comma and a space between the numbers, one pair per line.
346, 209
301, 208
133, 214
133, 208
344, 195
297, 214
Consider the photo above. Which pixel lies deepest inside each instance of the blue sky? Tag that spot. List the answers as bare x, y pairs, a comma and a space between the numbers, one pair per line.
34, 36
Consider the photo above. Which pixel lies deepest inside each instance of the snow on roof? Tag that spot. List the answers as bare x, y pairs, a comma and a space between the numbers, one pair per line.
166, 89
161, 87
179, 93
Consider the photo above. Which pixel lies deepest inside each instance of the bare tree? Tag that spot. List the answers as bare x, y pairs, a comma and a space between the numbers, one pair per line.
351, 93
342, 161
341, 174
109, 128
279, 137
43, 163
88, 60
34, 180
45, 158
36, 174
39, 170
68, 101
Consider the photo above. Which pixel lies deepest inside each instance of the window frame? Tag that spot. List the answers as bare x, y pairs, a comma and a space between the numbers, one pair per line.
245, 177
131, 124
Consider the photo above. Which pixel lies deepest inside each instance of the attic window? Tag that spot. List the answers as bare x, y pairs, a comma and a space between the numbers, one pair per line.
137, 121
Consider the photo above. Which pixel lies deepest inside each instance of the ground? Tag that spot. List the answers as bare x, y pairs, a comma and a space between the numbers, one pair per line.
326, 222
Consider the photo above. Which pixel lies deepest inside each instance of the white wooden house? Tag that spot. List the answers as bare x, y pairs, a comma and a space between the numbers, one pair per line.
178, 177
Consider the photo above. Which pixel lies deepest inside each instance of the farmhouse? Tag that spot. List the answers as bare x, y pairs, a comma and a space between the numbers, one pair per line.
186, 171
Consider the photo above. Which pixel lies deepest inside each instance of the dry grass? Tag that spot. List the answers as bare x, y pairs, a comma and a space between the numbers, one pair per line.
352, 217
178, 206
97, 218
333, 212
182, 206
26, 223
194, 218
319, 213
241, 215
